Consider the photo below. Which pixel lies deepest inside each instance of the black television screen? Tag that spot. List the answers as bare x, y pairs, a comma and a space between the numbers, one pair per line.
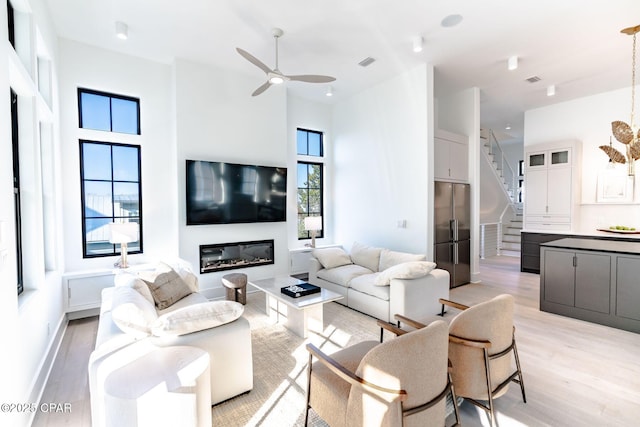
227, 193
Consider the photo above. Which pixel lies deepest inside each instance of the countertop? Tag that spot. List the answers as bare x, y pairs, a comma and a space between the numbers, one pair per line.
594, 233
599, 245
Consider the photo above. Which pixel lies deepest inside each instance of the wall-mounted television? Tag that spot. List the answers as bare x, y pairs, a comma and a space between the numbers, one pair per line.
228, 193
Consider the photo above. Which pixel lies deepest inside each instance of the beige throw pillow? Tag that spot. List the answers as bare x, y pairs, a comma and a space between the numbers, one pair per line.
366, 256
331, 257
166, 287
407, 270
390, 258
197, 317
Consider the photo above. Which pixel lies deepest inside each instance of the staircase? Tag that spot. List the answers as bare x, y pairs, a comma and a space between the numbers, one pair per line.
511, 236
503, 171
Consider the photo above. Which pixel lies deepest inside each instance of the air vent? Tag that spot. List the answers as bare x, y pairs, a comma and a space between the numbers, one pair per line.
366, 62
534, 79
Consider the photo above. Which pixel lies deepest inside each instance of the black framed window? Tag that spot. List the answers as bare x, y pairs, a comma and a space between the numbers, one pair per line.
521, 168
16, 189
108, 112
520, 190
310, 184
11, 26
111, 192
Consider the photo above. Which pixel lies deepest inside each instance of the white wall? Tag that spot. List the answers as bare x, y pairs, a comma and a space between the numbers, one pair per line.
460, 113
383, 164
32, 322
94, 68
588, 120
217, 119
313, 116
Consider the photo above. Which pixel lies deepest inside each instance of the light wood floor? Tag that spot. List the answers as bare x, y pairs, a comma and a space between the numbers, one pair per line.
576, 373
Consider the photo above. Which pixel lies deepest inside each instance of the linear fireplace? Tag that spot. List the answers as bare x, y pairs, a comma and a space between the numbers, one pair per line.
227, 256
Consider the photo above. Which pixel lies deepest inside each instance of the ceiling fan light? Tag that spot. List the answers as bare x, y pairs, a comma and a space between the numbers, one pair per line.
276, 80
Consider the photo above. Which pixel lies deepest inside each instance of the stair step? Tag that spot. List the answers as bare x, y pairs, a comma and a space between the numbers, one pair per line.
510, 253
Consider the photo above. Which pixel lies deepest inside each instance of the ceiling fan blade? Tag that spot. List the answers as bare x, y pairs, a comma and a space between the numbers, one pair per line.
255, 61
312, 78
261, 89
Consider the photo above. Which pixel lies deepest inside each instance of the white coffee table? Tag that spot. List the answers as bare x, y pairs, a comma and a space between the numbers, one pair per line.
297, 314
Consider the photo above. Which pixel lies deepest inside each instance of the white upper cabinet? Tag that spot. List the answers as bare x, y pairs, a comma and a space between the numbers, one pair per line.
551, 186
451, 157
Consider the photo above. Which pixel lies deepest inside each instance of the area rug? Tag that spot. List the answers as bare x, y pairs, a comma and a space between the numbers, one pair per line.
279, 365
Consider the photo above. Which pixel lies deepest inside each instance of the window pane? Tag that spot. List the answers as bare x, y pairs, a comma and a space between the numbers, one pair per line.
124, 116
314, 144
303, 198
314, 176
97, 236
302, 233
302, 175
97, 199
95, 112
301, 138
314, 202
126, 199
96, 160
125, 163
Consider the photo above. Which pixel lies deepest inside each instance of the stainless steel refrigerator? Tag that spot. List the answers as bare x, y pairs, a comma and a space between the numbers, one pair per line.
452, 221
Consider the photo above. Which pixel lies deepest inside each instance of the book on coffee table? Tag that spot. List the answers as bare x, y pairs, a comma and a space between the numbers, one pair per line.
300, 290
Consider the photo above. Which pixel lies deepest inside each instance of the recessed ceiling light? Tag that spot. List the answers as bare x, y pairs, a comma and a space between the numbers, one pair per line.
451, 20
512, 63
329, 91
508, 127
122, 30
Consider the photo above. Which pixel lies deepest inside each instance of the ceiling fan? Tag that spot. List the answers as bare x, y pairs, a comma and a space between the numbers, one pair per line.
275, 76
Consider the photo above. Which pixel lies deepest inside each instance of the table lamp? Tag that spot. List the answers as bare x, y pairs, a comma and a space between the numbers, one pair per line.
123, 233
313, 224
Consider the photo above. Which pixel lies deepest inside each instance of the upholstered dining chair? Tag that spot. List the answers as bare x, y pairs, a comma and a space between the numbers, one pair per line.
382, 384
481, 341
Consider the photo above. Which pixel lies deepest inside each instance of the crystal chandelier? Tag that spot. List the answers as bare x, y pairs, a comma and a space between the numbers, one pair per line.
627, 134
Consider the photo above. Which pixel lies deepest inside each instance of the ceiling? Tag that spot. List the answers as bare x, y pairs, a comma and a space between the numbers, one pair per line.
575, 45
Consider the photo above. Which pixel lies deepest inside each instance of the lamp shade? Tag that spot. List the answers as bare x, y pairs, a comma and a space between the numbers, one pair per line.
313, 223
125, 232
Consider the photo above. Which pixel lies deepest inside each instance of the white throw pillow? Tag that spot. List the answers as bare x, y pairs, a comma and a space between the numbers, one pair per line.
407, 270
366, 256
390, 258
133, 281
197, 317
331, 257
131, 312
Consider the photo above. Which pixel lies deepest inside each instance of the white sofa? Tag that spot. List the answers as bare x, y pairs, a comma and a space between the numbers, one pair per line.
380, 282
131, 326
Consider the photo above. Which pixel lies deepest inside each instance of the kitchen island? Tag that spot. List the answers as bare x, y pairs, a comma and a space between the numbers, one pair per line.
597, 280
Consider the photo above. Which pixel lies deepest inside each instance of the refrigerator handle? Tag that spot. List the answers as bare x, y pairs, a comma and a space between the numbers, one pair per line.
455, 229
452, 230
455, 253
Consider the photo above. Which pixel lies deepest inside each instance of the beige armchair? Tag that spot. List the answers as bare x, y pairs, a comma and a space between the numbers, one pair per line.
382, 384
481, 340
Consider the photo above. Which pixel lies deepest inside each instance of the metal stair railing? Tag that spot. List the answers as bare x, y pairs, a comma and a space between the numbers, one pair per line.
504, 169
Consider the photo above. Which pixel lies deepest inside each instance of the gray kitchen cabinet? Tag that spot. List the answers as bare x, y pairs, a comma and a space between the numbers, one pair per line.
592, 280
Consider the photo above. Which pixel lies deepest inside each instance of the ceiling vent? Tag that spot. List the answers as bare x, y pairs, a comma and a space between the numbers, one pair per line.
534, 79
366, 62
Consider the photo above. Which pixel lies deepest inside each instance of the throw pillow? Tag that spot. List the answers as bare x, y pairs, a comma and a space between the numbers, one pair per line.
331, 257
197, 317
366, 256
166, 287
390, 258
406, 270
133, 281
131, 312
